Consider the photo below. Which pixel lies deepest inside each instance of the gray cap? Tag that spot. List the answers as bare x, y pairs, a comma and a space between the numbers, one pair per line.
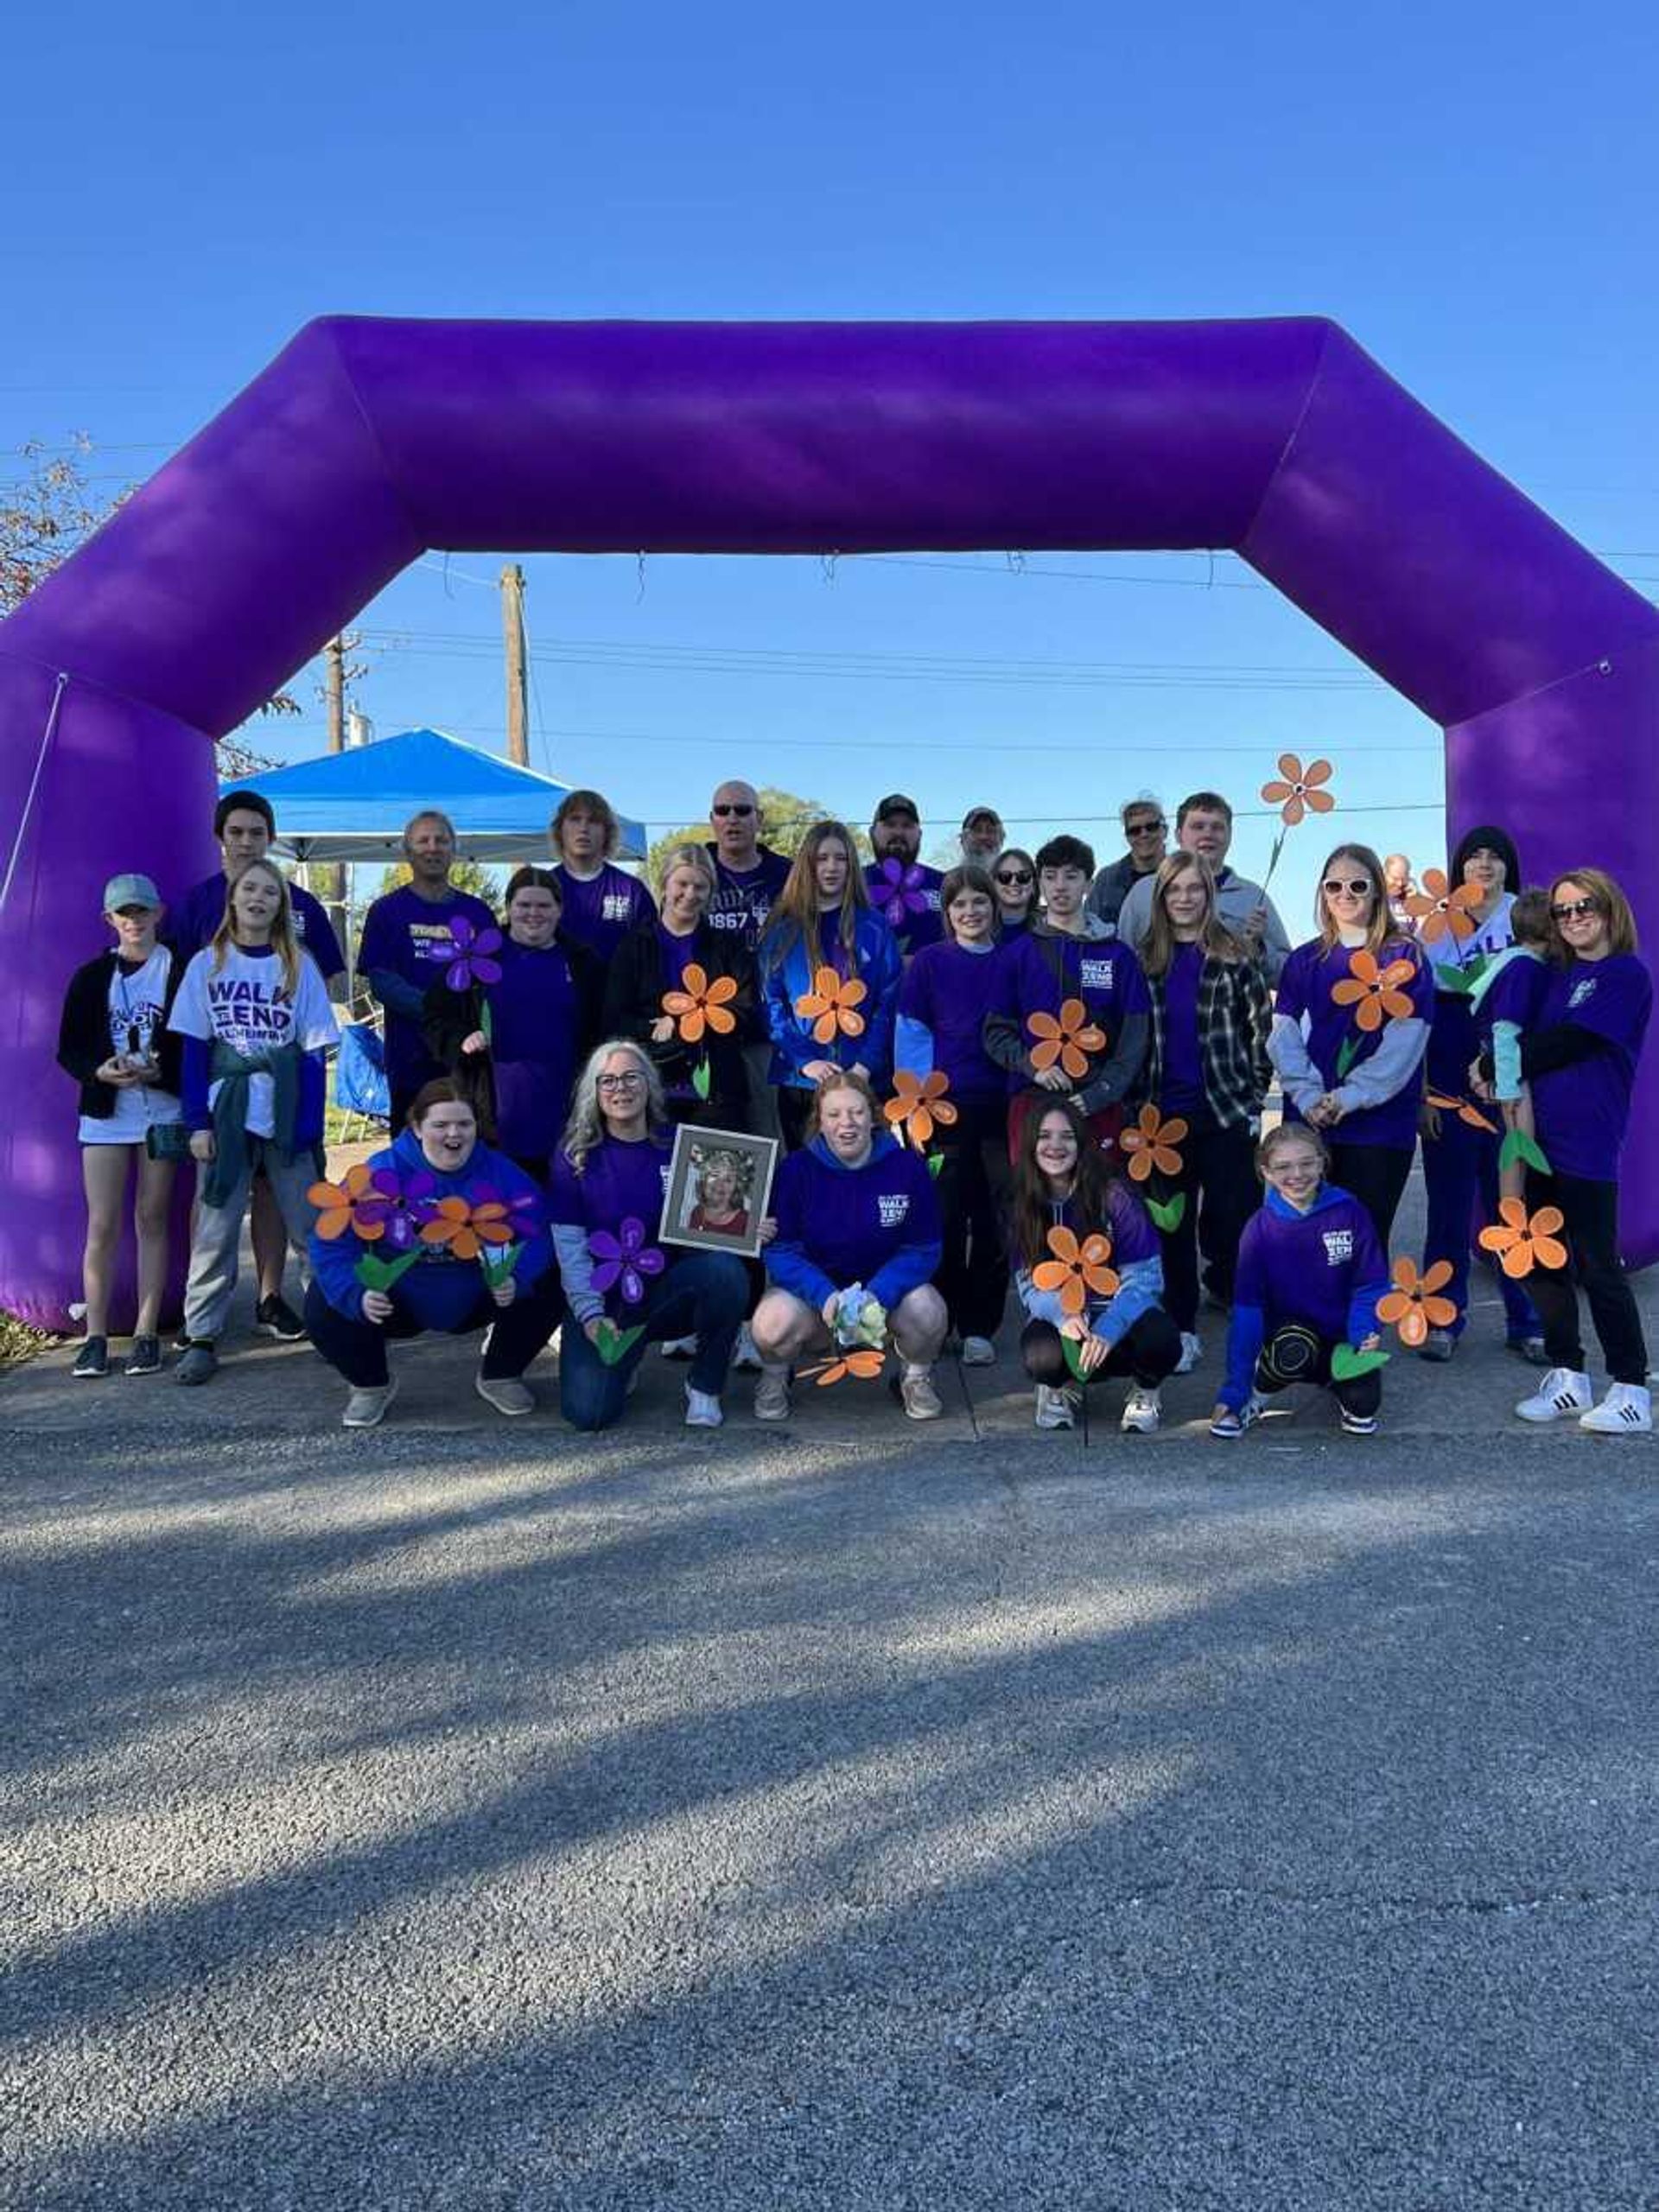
130, 891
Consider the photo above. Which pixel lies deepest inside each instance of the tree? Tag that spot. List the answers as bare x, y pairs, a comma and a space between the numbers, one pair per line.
784, 820
485, 883
48, 513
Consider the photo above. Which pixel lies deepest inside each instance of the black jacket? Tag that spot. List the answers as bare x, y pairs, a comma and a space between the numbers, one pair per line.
83, 1034
634, 985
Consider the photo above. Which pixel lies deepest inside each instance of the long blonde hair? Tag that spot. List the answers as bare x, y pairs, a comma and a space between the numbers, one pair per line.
1381, 929
795, 911
585, 1130
284, 943
1216, 941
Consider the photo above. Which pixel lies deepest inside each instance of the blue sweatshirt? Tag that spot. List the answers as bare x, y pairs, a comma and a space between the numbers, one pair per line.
1324, 1268
1136, 1259
787, 971
877, 1224
440, 1291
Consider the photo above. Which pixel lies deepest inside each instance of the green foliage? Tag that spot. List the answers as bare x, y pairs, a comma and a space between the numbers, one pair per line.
784, 820
485, 883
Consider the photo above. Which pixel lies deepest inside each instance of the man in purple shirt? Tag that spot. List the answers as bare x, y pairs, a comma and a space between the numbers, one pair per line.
901, 888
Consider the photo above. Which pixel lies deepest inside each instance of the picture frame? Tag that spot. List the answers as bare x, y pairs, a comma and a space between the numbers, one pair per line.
737, 1169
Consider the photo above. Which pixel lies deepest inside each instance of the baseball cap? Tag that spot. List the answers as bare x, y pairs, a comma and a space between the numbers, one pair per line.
130, 891
976, 815
897, 804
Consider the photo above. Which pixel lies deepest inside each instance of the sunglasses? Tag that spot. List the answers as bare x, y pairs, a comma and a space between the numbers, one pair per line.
731, 806
1145, 829
1014, 875
1358, 884
1574, 910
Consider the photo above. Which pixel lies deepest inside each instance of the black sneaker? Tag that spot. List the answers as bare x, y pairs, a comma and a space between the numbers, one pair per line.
277, 1317
200, 1365
145, 1357
92, 1360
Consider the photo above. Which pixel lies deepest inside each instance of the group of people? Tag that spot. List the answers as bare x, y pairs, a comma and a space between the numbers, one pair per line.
1023, 1071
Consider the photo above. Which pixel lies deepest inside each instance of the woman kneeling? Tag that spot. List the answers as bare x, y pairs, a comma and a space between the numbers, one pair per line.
857, 1246
440, 1194
1089, 1273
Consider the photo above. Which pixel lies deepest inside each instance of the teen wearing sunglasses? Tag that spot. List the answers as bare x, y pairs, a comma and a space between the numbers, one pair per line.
1014, 879
1351, 1060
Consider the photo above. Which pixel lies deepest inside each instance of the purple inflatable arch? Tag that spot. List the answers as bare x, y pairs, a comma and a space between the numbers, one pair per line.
366, 442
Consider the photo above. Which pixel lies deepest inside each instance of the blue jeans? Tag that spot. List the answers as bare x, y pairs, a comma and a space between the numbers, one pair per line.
702, 1292
1459, 1166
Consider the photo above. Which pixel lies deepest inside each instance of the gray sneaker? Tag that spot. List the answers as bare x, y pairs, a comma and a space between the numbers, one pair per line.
200, 1364
367, 1408
507, 1393
771, 1394
92, 1360
145, 1357
920, 1400
1438, 1345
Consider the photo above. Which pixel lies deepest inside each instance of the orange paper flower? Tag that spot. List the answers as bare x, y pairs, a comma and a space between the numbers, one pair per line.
338, 1205
1075, 1269
1298, 793
831, 1006
1522, 1245
1412, 1305
866, 1365
1465, 1108
1437, 909
467, 1228
1375, 993
1151, 1144
919, 1101
702, 1005
1068, 1038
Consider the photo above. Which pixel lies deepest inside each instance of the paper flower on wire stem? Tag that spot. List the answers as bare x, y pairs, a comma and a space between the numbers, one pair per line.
625, 1260
831, 1005
1375, 993
917, 1103
865, 1365
1521, 1244
1411, 1306
367, 1201
1465, 1108
1068, 1038
700, 1005
1152, 1144
1296, 791
1439, 910
473, 962
900, 889
1075, 1269
467, 1225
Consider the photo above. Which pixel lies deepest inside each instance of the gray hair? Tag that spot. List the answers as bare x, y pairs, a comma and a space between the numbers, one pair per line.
1141, 799
585, 1130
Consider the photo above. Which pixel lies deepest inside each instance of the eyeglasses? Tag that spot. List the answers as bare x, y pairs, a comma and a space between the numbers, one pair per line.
1014, 875
1358, 886
1144, 829
730, 806
1574, 910
621, 1082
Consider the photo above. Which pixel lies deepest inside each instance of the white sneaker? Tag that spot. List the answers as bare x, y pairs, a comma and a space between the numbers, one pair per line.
505, 1393
1561, 1392
1231, 1424
1192, 1352
1627, 1410
679, 1347
1142, 1411
920, 1400
978, 1351
701, 1409
1056, 1408
744, 1354
771, 1394
367, 1408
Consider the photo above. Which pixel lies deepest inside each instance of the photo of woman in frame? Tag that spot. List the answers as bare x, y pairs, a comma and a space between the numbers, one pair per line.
719, 1184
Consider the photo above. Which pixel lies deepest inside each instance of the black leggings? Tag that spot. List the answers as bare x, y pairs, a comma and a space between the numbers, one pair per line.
1377, 1175
357, 1349
973, 1276
1218, 1173
1149, 1351
1295, 1353
1590, 1231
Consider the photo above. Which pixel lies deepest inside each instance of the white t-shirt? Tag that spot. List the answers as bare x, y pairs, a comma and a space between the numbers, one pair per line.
244, 1005
136, 996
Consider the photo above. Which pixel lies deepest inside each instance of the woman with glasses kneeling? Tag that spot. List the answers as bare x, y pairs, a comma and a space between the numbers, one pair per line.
857, 1246
624, 1291
463, 1207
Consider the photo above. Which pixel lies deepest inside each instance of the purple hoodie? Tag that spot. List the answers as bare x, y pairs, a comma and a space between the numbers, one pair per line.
1324, 1268
877, 1224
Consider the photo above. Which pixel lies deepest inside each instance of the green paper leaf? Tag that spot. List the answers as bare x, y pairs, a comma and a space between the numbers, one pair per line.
1168, 1214
700, 1076
935, 1163
1074, 1352
1459, 981
498, 1267
485, 1022
1347, 1055
1347, 1365
376, 1274
613, 1344
1517, 1145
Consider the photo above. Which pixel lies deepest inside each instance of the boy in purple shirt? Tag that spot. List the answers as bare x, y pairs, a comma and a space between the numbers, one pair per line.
601, 904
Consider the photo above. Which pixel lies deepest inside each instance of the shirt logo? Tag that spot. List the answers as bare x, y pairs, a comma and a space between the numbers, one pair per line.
1338, 1246
431, 941
615, 906
895, 1206
1582, 991
1095, 974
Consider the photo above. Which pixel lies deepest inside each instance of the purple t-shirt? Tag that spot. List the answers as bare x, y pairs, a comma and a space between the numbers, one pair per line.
535, 1025
678, 953
1100, 971
744, 897
618, 1182
1582, 1111
907, 899
950, 991
1183, 1090
600, 912
202, 909
1305, 994
1515, 993
411, 937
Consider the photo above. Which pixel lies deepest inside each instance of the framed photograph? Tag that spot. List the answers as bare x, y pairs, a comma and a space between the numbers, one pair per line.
719, 1183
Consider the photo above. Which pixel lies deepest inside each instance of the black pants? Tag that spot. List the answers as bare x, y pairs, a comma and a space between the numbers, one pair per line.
1219, 1179
1590, 1212
1376, 1174
794, 1112
1296, 1353
1148, 1353
358, 1349
973, 1180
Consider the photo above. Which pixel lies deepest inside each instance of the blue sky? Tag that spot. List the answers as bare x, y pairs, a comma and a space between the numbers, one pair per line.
1472, 197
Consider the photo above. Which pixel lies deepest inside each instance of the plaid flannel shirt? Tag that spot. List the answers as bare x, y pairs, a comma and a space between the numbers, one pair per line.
1235, 1015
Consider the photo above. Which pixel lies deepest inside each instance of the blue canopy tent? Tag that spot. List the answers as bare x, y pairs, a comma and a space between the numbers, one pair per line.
353, 806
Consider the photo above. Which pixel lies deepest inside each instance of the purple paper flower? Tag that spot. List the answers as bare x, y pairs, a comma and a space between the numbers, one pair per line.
900, 888
626, 1260
471, 963
523, 1209
386, 1203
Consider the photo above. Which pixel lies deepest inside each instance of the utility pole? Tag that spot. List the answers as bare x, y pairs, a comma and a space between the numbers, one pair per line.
331, 877
513, 632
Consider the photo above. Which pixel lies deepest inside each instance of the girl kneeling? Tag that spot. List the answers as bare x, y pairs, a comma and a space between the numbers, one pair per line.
1109, 1307
1310, 1272
436, 1162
